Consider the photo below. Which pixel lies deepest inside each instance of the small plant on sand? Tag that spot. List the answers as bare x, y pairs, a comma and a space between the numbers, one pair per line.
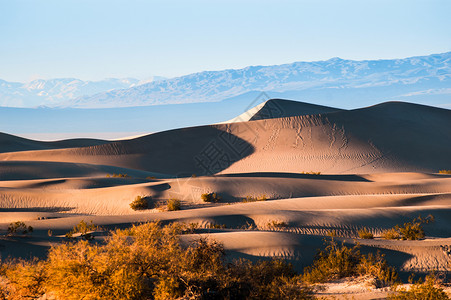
174, 204
151, 177
277, 224
117, 175
84, 229
391, 234
139, 203
427, 289
365, 233
311, 173
340, 261
444, 172
19, 227
254, 199
210, 197
410, 230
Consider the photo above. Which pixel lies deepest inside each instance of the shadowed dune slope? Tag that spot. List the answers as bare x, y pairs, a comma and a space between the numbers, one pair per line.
11, 143
389, 137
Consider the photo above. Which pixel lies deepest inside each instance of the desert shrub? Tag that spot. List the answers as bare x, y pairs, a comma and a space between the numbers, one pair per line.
365, 233
444, 172
117, 175
254, 199
391, 234
414, 230
174, 204
151, 177
277, 224
210, 197
140, 203
19, 227
311, 173
409, 231
421, 290
339, 261
148, 262
25, 279
84, 229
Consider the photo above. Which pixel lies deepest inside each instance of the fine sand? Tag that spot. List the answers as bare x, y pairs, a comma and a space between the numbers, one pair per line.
378, 169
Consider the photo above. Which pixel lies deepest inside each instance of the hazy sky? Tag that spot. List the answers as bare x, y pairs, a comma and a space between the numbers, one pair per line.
95, 39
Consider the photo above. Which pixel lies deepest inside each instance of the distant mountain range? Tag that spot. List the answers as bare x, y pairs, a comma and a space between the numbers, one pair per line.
54, 92
334, 82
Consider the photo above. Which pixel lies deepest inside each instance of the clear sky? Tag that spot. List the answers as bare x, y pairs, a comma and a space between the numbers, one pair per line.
95, 39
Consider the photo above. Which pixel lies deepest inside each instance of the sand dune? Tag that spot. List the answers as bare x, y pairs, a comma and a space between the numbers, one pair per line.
390, 137
378, 169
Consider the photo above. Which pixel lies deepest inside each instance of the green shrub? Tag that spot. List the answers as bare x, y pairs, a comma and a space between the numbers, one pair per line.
254, 199
19, 227
365, 233
210, 197
174, 204
421, 290
444, 172
140, 203
339, 261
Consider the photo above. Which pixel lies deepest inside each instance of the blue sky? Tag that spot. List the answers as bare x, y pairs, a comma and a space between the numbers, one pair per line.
95, 39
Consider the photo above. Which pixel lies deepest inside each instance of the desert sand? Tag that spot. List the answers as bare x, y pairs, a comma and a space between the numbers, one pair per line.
379, 168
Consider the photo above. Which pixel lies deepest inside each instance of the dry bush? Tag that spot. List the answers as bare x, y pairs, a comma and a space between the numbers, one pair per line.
174, 204
391, 234
254, 199
409, 231
339, 261
84, 229
427, 289
311, 173
365, 233
277, 224
19, 227
444, 172
148, 262
140, 203
210, 197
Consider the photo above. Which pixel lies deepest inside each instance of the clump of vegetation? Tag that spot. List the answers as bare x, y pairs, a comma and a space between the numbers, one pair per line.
254, 199
444, 172
216, 226
339, 261
118, 175
427, 289
210, 197
84, 229
151, 177
311, 173
174, 204
365, 233
391, 234
148, 262
410, 230
139, 203
277, 224
19, 227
